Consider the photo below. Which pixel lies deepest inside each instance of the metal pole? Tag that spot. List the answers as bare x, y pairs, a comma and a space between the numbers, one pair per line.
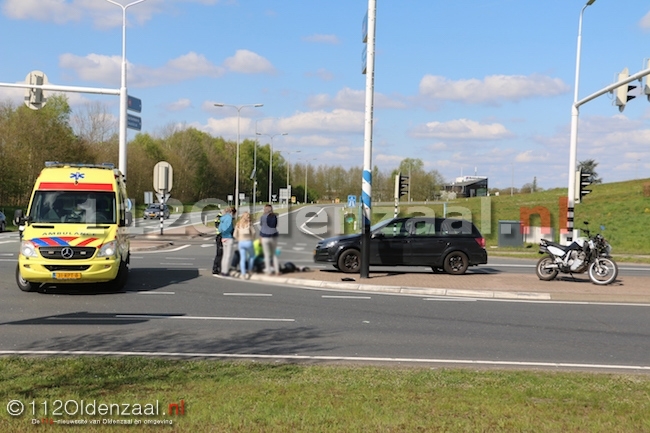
238, 107
123, 91
573, 145
366, 183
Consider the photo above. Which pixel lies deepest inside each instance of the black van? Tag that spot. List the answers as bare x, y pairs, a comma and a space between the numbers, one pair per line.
444, 244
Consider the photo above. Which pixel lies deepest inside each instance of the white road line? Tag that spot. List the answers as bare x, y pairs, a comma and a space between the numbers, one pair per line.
182, 247
177, 264
451, 299
245, 319
362, 359
247, 294
150, 293
344, 297
180, 258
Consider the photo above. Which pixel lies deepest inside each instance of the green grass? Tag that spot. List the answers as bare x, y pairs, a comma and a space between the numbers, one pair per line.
623, 208
265, 397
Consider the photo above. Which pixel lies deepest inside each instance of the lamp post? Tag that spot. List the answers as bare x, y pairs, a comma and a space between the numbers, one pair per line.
123, 91
289, 152
574, 133
271, 136
238, 107
306, 172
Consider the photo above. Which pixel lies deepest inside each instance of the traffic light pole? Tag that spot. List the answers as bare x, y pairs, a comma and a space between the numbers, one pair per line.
366, 182
575, 113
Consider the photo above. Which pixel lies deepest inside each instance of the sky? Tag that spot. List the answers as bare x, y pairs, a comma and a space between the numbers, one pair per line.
470, 87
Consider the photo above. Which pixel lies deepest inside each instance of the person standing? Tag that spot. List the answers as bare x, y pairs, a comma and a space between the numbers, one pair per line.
269, 237
216, 265
245, 234
227, 228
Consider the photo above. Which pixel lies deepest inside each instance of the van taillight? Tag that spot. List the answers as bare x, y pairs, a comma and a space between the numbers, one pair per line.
480, 241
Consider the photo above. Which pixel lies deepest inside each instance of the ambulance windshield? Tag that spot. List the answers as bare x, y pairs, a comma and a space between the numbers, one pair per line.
74, 207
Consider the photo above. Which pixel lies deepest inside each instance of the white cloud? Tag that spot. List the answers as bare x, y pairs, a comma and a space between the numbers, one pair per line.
248, 62
106, 69
323, 39
645, 22
493, 89
179, 105
332, 122
461, 129
56, 11
322, 74
352, 100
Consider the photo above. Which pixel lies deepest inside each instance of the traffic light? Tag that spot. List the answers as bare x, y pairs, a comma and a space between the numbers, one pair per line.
583, 180
401, 185
623, 92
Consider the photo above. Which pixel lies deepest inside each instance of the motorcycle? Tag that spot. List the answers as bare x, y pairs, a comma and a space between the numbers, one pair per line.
586, 253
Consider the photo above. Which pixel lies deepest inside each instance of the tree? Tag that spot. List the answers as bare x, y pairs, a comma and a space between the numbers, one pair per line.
589, 166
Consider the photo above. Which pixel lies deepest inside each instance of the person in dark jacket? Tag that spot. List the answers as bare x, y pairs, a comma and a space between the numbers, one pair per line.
269, 237
216, 264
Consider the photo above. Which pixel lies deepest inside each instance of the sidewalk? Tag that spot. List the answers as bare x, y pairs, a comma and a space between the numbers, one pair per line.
476, 285
479, 282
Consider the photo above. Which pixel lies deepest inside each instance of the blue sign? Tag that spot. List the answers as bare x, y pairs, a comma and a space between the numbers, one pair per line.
134, 104
133, 122
352, 200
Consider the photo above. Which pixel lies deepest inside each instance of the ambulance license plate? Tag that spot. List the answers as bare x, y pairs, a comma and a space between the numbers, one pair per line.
66, 275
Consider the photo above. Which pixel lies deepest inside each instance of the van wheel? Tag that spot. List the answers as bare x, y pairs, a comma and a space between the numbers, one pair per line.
350, 261
120, 280
25, 285
456, 263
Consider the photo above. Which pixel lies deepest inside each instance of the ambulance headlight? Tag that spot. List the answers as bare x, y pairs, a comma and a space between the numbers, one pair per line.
28, 249
108, 249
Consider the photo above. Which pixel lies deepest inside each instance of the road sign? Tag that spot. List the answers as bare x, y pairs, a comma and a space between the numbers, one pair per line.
162, 198
352, 201
133, 122
163, 177
134, 104
35, 98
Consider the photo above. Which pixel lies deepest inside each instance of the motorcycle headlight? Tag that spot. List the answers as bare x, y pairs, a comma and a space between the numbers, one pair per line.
28, 249
108, 249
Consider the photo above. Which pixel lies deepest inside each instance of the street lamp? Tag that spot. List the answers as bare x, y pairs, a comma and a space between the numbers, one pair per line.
123, 92
306, 172
271, 136
289, 152
574, 133
238, 107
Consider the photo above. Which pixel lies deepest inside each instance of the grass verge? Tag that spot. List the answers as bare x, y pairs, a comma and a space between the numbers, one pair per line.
263, 397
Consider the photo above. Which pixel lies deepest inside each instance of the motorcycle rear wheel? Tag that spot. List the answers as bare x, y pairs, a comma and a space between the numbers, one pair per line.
603, 271
544, 270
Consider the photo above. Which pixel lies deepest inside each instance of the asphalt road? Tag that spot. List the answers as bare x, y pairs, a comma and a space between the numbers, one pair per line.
174, 306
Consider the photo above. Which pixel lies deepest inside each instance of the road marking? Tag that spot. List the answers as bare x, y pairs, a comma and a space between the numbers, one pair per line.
451, 299
150, 293
344, 297
247, 294
176, 264
359, 359
303, 226
182, 247
245, 319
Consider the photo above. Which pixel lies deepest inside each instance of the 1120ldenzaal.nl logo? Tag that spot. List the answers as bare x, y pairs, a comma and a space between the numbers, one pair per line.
80, 412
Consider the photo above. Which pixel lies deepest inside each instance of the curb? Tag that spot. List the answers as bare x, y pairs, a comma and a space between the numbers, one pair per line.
406, 290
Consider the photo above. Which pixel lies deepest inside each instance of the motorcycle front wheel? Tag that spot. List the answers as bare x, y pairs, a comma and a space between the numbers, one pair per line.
545, 269
603, 271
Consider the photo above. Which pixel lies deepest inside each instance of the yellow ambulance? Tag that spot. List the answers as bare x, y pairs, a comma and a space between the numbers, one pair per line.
75, 229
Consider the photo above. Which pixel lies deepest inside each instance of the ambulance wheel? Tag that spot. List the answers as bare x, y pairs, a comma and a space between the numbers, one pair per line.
117, 285
25, 285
